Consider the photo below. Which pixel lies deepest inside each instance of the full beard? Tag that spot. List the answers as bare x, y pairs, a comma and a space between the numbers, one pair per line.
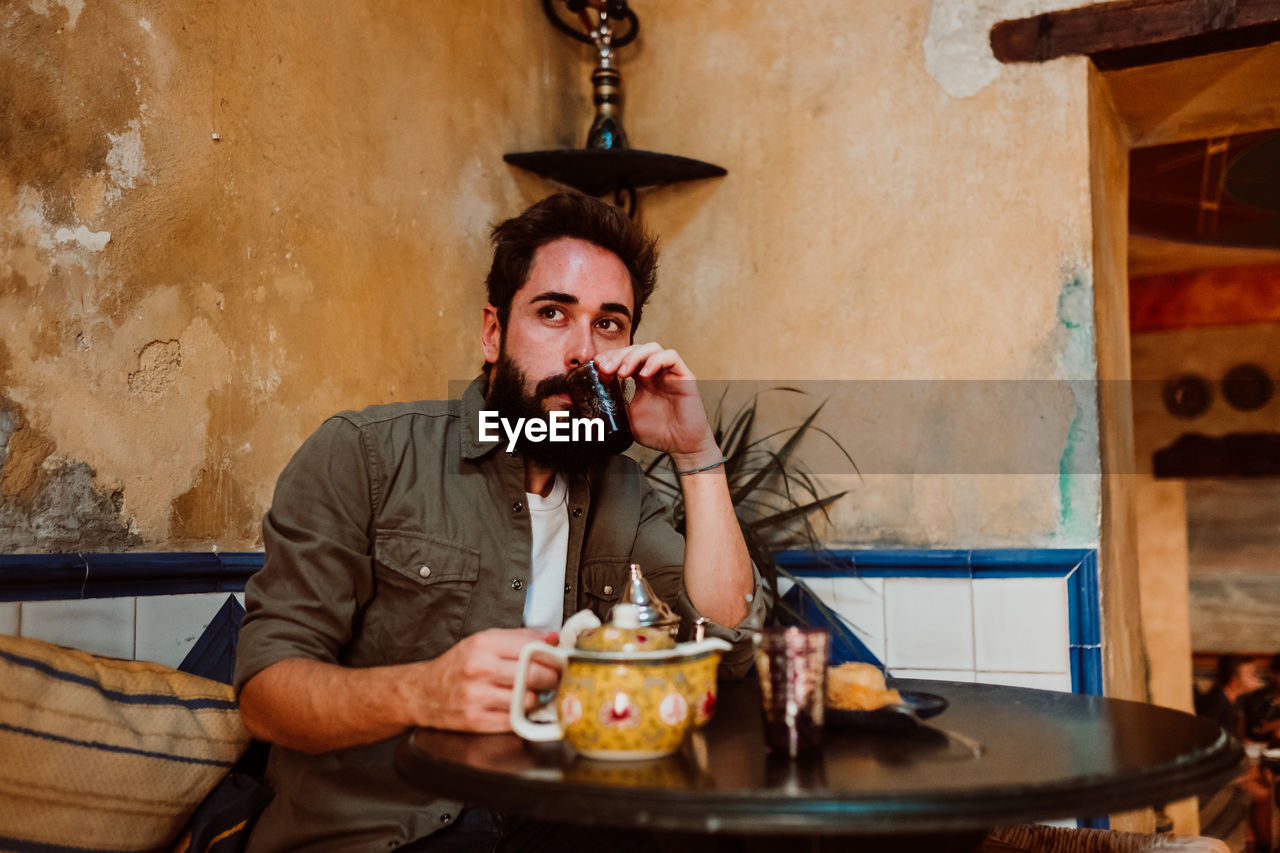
507, 396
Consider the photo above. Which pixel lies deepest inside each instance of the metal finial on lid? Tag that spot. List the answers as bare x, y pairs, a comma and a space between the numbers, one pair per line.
638, 593
651, 610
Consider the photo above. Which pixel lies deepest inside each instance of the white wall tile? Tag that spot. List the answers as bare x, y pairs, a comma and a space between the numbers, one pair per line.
1020, 624
819, 586
103, 626
169, 625
9, 617
928, 623
861, 601
934, 674
1060, 681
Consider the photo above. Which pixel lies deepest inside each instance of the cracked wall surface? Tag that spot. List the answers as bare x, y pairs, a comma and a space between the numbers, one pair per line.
49, 503
220, 223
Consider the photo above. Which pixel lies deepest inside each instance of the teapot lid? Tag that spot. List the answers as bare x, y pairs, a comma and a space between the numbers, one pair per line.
625, 634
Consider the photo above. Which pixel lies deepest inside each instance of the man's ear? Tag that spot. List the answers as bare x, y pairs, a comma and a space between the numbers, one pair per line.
490, 335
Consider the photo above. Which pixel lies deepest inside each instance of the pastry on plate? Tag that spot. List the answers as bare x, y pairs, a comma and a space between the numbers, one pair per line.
858, 687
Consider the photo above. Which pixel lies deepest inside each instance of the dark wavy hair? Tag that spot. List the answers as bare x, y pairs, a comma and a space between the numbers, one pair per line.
573, 215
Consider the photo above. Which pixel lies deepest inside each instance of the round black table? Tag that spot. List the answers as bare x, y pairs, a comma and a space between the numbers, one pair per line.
995, 756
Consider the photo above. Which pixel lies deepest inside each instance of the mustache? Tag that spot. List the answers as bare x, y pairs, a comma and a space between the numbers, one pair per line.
552, 385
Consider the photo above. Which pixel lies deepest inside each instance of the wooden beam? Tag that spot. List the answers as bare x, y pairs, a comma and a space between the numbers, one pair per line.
1203, 299
1129, 33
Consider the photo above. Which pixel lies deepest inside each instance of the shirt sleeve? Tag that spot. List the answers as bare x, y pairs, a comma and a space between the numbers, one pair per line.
660, 549
317, 570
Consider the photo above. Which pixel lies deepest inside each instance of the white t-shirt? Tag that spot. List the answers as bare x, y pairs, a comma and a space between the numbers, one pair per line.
544, 601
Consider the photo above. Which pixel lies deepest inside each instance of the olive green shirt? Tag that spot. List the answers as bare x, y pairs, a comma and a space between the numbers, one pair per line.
394, 533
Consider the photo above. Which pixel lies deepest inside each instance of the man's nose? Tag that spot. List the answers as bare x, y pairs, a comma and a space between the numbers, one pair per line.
582, 348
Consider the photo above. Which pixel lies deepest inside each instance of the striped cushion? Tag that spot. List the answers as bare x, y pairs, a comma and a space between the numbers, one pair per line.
105, 754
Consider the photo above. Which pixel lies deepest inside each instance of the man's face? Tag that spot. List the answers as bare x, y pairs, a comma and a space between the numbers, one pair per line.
1248, 678
577, 301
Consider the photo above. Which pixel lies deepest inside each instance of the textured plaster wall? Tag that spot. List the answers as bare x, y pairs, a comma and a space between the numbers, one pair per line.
220, 222
178, 311
881, 222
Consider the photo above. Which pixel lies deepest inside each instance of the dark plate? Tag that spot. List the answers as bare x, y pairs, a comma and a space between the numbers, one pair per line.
918, 706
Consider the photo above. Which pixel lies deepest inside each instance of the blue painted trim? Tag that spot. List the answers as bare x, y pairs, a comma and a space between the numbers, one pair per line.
826, 560
1077, 566
1029, 572
1090, 617
865, 561
887, 572
1063, 559
37, 577
1086, 670
50, 577
910, 558
41, 577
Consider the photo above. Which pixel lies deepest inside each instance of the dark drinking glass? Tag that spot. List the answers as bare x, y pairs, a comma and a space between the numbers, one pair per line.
596, 397
792, 665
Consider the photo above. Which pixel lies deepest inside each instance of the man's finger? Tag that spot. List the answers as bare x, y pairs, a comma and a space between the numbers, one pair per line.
623, 361
665, 360
542, 676
506, 643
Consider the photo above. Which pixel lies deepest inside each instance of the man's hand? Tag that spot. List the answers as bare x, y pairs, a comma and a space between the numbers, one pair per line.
315, 706
666, 413
468, 688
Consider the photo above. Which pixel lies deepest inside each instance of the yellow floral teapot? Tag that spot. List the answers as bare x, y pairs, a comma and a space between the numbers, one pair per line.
626, 691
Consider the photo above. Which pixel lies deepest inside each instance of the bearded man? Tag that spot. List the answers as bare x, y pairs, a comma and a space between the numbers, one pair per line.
408, 560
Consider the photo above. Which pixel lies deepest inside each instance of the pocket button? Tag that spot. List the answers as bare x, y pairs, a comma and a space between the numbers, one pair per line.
425, 572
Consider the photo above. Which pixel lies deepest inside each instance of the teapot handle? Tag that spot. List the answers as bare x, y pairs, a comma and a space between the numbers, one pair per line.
710, 644
520, 723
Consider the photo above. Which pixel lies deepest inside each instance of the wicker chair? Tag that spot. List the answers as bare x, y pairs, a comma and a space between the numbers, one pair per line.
1054, 839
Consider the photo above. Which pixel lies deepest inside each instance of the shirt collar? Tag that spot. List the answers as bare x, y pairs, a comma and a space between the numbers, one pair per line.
472, 404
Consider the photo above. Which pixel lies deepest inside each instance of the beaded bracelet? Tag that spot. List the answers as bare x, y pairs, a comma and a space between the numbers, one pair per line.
703, 468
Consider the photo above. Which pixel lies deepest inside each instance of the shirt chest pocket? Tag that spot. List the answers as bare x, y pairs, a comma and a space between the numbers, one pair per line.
603, 579
424, 590
425, 561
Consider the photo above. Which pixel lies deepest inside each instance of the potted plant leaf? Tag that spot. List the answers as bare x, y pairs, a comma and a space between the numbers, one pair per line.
777, 501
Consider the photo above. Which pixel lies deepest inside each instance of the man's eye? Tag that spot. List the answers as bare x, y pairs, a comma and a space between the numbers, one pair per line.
611, 325
550, 312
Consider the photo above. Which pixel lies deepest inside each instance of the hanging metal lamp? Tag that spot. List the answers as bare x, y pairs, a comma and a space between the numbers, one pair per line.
607, 164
